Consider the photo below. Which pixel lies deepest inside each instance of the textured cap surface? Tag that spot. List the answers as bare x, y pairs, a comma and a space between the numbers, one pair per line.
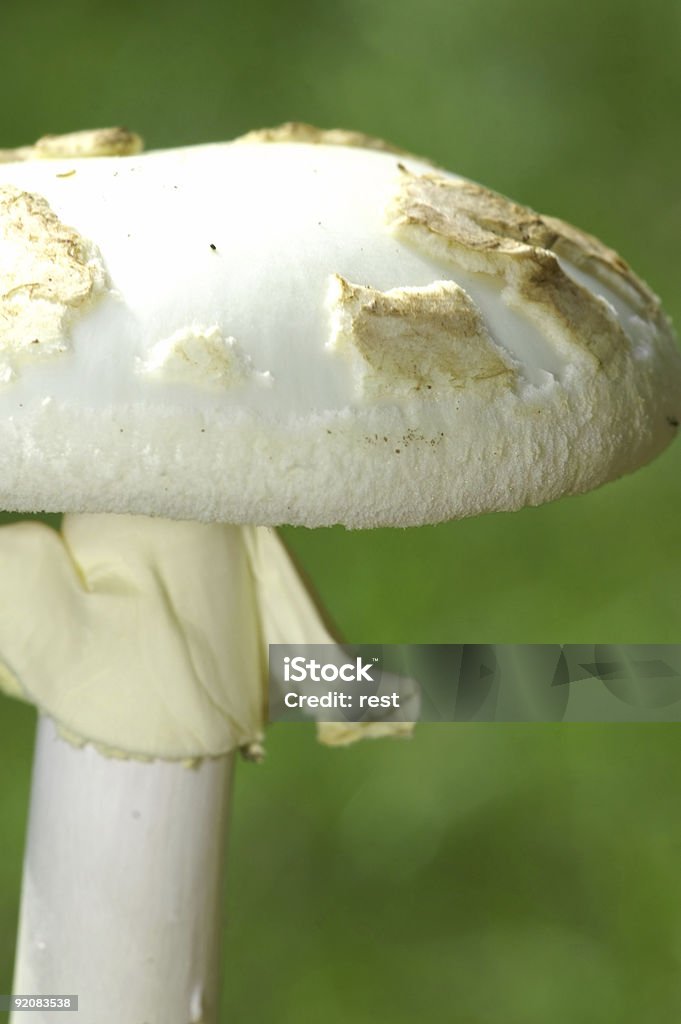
312, 329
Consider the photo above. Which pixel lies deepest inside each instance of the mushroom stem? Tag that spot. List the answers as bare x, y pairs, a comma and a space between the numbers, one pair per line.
139, 638
121, 900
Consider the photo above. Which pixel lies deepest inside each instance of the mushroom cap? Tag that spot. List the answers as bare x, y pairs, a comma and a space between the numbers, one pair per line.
309, 328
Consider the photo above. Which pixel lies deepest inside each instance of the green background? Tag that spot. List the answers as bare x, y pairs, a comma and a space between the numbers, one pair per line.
477, 874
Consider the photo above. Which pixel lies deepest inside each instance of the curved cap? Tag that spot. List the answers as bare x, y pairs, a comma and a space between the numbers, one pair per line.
310, 328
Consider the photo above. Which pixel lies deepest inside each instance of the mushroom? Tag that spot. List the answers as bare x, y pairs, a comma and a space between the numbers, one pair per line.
297, 327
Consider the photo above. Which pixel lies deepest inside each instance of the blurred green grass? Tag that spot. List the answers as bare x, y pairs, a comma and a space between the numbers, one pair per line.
477, 873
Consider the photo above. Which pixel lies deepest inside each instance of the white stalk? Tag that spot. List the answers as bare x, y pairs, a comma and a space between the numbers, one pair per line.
139, 637
122, 892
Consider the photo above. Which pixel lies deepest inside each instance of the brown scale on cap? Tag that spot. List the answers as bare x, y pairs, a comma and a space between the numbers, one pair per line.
47, 272
298, 131
481, 231
416, 339
93, 142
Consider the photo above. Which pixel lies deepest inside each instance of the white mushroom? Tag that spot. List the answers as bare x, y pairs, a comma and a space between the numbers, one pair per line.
299, 327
